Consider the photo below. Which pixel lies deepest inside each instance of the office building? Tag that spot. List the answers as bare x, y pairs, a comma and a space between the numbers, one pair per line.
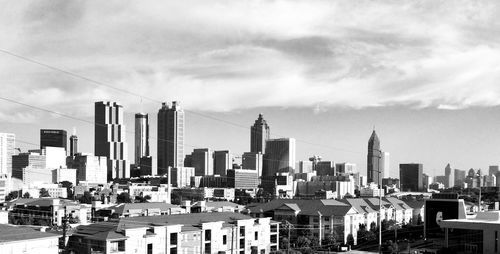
254, 161
386, 163
202, 161
493, 170
449, 177
411, 177
53, 138
73, 145
325, 168
222, 162
259, 133
374, 159
181, 176
141, 136
242, 179
305, 167
7, 150
23, 160
345, 168
170, 137
110, 138
279, 156
147, 166
89, 168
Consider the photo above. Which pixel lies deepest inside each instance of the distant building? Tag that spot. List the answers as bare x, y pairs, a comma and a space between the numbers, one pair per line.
390, 181
73, 145
110, 138
374, 165
449, 177
386, 162
493, 170
279, 156
7, 150
426, 181
459, 177
345, 168
53, 138
242, 179
89, 168
410, 176
202, 161
222, 162
23, 160
141, 136
254, 161
259, 134
64, 174
170, 137
325, 168
181, 176
305, 167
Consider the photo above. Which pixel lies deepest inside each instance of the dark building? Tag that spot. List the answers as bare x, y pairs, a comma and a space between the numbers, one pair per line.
374, 160
54, 138
222, 162
170, 137
325, 168
109, 138
411, 177
259, 133
279, 156
141, 136
73, 145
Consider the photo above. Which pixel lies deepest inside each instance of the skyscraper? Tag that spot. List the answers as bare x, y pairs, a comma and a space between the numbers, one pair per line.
449, 177
222, 162
170, 137
141, 136
254, 161
73, 145
202, 161
53, 138
7, 150
279, 156
259, 133
411, 177
374, 159
110, 138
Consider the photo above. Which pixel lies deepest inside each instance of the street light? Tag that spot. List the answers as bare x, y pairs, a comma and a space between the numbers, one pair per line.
379, 201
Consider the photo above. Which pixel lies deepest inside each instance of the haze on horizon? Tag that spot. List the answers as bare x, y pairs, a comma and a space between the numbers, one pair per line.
424, 73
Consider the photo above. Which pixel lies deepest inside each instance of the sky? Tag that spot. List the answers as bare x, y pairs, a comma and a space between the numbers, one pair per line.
424, 74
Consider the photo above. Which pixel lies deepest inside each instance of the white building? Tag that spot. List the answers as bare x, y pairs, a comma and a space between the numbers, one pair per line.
7, 149
90, 168
15, 239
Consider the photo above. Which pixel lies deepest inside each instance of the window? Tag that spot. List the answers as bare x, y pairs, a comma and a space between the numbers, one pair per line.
173, 238
256, 235
150, 248
208, 235
273, 239
327, 218
242, 252
274, 228
242, 243
224, 239
121, 246
327, 227
315, 219
173, 250
242, 231
208, 248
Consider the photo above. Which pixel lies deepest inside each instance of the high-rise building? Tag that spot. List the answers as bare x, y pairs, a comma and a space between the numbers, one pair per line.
254, 161
222, 162
53, 138
345, 168
89, 168
30, 159
411, 177
449, 177
110, 138
202, 162
374, 159
325, 168
386, 163
305, 167
460, 176
7, 150
279, 156
141, 136
259, 133
493, 170
170, 137
73, 145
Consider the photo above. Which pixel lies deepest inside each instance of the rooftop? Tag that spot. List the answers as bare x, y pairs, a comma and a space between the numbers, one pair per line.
10, 233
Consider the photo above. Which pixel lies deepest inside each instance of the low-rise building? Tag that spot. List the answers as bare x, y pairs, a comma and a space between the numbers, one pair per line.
17, 239
139, 209
46, 212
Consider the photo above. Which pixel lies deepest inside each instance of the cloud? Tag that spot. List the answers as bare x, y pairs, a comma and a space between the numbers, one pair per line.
234, 55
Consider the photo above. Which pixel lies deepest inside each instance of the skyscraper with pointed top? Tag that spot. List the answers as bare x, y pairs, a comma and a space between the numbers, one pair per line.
259, 133
374, 160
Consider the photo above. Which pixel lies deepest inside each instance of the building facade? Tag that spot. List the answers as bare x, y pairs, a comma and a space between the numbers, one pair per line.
7, 150
110, 138
73, 145
89, 168
53, 138
374, 165
202, 161
222, 162
279, 156
259, 134
411, 177
141, 136
170, 137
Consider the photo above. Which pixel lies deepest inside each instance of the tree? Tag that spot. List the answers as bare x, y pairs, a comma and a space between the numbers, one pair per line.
86, 198
124, 197
44, 193
26, 195
12, 195
69, 187
419, 220
350, 239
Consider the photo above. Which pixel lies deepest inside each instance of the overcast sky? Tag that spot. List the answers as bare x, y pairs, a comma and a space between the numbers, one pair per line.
424, 73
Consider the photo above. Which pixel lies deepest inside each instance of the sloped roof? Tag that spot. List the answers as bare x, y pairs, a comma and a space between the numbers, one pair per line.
10, 233
100, 231
415, 204
374, 203
307, 207
217, 204
292, 206
360, 204
125, 207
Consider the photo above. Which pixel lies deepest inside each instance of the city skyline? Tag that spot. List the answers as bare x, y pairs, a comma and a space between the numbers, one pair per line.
430, 90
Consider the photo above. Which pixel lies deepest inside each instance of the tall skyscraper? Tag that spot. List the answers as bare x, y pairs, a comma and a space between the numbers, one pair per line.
325, 168
449, 177
7, 150
53, 138
170, 137
374, 159
259, 133
73, 145
279, 156
411, 177
141, 136
202, 162
222, 162
386, 163
110, 138
254, 161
